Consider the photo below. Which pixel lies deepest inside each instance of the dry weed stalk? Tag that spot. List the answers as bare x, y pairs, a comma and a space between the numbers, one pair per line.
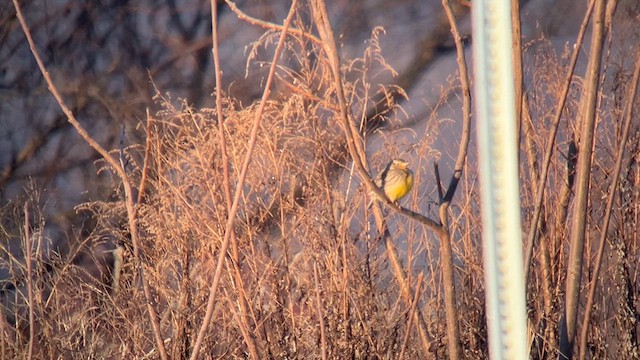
27, 240
633, 88
568, 322
299, 274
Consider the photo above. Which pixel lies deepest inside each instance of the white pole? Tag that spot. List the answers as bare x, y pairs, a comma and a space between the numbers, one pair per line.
496, 131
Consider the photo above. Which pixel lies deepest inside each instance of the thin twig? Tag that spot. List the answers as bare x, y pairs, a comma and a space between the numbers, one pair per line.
517, 67
268, 25
466, 110
219, 113
412, 309
129, 201
147, 158
27, 257
3, 337
243, 174
453, 332
323, 339
253, 350
436, 174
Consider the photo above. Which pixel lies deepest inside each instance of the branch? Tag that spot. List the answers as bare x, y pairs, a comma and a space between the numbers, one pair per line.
129, 201
268, 25
27, 237
607, 216
583, 178
466, 108
446, 252
323, 341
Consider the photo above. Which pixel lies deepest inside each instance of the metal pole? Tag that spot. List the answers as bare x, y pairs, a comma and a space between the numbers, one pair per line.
498, 168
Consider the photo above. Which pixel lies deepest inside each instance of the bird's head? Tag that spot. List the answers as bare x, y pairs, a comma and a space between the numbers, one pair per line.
400, 164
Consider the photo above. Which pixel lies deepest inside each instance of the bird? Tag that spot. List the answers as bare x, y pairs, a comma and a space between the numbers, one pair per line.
396, 180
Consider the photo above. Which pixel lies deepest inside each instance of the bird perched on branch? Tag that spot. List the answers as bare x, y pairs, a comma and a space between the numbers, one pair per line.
396, 180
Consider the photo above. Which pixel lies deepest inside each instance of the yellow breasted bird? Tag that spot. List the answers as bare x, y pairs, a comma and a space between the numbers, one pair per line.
396, 180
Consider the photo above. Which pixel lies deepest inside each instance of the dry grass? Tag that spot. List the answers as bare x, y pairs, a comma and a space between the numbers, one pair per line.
309, 273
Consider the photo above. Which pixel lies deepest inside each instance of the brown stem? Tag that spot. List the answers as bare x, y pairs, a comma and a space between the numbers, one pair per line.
267, 25
323, 339
27, 257
453, 332
244, 317
517, 66
412, 310
147, 156
243, 174
583, 178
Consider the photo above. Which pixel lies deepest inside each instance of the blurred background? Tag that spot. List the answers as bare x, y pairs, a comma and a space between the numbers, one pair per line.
112, 60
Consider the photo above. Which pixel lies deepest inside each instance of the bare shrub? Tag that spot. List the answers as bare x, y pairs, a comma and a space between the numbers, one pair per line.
307, 275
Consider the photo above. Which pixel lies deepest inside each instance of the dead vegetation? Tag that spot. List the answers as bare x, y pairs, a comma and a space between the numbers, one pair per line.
307, 273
